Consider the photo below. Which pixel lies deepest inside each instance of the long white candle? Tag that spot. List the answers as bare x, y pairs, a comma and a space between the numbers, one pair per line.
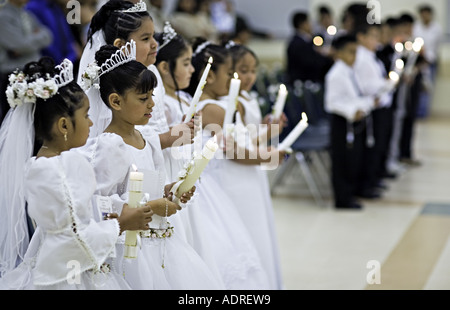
294, 134
199, 164
198, 92
235, 85
135, 184
280, 102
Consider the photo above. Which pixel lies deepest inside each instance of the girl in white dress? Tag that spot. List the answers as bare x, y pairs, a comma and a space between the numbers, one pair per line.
69, 249
164, 260
116, 23
243, 178
235, 252
175, 67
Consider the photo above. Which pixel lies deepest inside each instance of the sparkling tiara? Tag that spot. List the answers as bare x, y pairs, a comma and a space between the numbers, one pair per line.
168, 34
141, 6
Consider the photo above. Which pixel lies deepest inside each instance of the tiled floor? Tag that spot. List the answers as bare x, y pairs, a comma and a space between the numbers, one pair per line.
400, 242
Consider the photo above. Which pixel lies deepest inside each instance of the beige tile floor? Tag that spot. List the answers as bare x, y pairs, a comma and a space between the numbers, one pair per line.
325, 249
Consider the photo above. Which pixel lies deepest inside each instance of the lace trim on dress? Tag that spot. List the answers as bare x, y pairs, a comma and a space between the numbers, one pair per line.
74, 221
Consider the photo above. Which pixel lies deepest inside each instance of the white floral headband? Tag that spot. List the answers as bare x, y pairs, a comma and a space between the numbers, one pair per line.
21, 91
93, 72
168, 34
201, 47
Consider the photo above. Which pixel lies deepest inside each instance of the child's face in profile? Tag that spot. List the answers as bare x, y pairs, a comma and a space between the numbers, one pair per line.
146, 45
348, 53
137, 107
223, 74
246, 68
184, 69
82, 125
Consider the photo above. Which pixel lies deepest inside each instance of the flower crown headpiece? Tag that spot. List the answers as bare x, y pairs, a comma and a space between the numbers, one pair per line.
20, 90
141, 6
168, 34
201, 47
93, 72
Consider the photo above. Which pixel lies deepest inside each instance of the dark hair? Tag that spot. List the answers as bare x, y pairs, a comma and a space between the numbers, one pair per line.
392, 22
130, 75
200, 60
238, 51
324, 10
341, 42
170, 53
299, 18
365, 27
116, 24
406, 19
64, 103
425, 8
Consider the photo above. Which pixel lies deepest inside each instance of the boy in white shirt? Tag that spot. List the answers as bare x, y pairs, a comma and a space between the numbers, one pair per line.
373, 80
348, 109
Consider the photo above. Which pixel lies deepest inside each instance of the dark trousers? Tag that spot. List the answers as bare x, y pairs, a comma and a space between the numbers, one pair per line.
375, 157
346, 160
412, 103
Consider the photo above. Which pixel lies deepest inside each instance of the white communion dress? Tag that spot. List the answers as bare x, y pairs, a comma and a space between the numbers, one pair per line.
161, 263
192, 217
228, 236
69, 250
251, 189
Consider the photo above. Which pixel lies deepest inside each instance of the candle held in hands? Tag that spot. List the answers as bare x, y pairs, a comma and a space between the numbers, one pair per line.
294, 134
198, 92
235, 85
195, 168
280, 102
135, 183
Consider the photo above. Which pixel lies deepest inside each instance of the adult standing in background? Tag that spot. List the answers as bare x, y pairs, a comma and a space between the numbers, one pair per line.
304, 62
432, 34
22, 39
156, 10
190, 19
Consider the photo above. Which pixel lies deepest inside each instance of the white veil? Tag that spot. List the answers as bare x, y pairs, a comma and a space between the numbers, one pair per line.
99, 113
16, 148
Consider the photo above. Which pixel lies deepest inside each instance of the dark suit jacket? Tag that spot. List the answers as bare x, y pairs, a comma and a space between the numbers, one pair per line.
304, 62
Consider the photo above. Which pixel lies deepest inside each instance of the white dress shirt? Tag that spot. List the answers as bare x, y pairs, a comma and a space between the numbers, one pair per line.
432, 36
342, 93
371, 76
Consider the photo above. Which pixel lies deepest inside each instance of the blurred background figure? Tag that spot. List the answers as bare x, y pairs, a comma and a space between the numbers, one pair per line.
322, 24
52, 13
191, 18
304, 62
223, 16
21, 41
432, 34
156, 10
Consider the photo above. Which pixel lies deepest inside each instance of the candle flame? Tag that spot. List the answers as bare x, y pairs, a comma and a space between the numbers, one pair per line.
236, 76
304, 117
399, 47
283, 87
394, 76
210, 60
134, 167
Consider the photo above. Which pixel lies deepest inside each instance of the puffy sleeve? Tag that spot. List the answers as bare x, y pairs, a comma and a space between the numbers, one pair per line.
59, 192
111, 160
